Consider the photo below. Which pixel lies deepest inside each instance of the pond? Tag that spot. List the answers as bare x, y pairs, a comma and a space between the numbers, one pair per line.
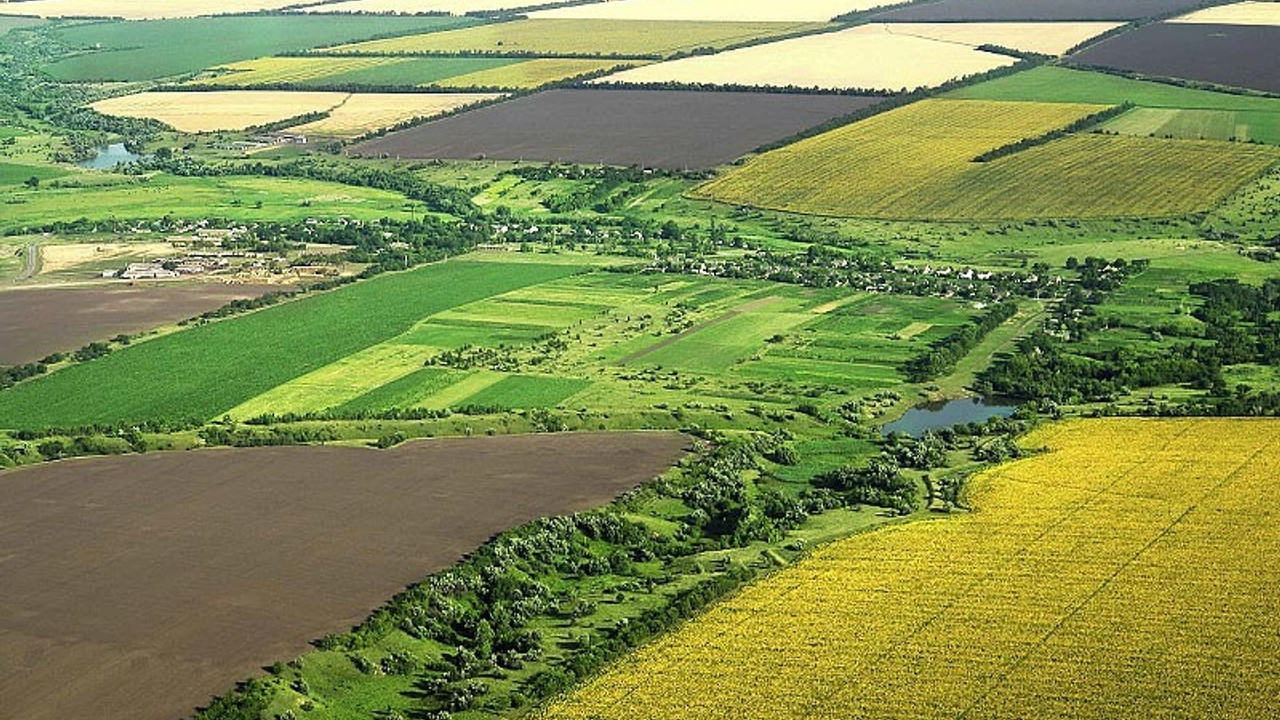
109, 157
938, 415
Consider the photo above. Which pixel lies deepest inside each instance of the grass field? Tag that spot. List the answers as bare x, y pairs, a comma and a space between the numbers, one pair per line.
713, 10
15, 174
13, 23
580, 37
331, 71
1088, 581
866, 57
137, 10
164, 48
226, 363
367, 112
455, 7
915, 162
195, 112
1241, 13
527, 391
1043, 38
1255, 118
233, 197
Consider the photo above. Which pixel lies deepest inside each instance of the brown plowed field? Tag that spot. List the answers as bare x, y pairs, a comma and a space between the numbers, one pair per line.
1005, 10
1237, 55
652, 128
34, 323
134, 588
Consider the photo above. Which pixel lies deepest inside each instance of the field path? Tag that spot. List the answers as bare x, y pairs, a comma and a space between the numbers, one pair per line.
33, 263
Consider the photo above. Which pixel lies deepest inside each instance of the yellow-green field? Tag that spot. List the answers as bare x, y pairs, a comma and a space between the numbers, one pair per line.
194, 112
532, 73
368, 112
1121, 574
917, 162
618, 38
277, 70
137, 10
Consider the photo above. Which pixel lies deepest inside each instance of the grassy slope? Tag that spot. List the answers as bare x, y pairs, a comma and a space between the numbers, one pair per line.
161, 48
207, 370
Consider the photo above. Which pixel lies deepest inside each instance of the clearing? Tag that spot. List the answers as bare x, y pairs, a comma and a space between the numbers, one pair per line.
651, 128
137, 597
867, 58
1087, 582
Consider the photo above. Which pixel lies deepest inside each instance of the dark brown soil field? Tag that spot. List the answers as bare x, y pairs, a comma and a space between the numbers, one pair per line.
1049, 10
34, 323
665, 129
134, 588
1243, 56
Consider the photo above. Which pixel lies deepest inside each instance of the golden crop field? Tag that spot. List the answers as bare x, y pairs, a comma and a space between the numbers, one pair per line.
580, 37
409, 7
916, 162
367, 112
1125, 573
531, 73
1242, 13
1045, 38
219, 110
279, 70
702, 10
137, 9
865, 57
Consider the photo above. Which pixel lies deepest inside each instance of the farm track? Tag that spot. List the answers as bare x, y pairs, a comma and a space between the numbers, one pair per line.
135, 587
33, 263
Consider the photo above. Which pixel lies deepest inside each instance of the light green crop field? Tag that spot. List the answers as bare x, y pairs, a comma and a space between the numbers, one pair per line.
151, 49
1241, 116
615, 38
15, 174
325, 71
527, 391
232, 197
916, 162
227, 363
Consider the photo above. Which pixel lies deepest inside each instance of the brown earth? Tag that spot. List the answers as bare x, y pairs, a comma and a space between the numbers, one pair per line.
136, 587
37, 322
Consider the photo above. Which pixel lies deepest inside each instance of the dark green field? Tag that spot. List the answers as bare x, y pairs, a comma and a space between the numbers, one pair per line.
161, 48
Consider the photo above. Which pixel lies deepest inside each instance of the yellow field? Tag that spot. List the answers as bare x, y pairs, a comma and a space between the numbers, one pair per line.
746, 10
409, 7
1244, 13
916, 162
219, 110
280, 70
531, 74
866, 57
137, 9
1125, 574
366, 112
579, 37
1045, 38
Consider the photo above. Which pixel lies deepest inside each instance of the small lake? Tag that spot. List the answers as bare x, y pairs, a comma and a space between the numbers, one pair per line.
936, 416
109, 157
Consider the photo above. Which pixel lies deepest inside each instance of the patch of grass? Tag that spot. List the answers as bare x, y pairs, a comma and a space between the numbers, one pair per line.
410, 391
151, 49
527, 392
16, 174
226, 363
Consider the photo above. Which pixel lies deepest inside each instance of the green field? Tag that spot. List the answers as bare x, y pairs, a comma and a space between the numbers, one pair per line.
612, 38
147, 50
15, 174
321, 72
8, 23
233, 197
917, 162
527, 391
224, 364
1240, 116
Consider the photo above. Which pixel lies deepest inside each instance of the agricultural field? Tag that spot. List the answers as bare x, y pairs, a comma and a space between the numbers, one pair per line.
454, 7
137, 9
203, 621
570, 37
650, 128
1163, 109
241, 198
1241, 13
132, 51
1044, 10
40, 321
228, 363
868, 57
8, 23
323, 71
364, 113
1078, 176
1228, 55
1088, 581
198, 112
17, 174
1043, 38
713, 10
532, 74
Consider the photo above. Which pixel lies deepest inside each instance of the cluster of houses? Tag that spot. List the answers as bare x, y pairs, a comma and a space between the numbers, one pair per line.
170, 268
264, 141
